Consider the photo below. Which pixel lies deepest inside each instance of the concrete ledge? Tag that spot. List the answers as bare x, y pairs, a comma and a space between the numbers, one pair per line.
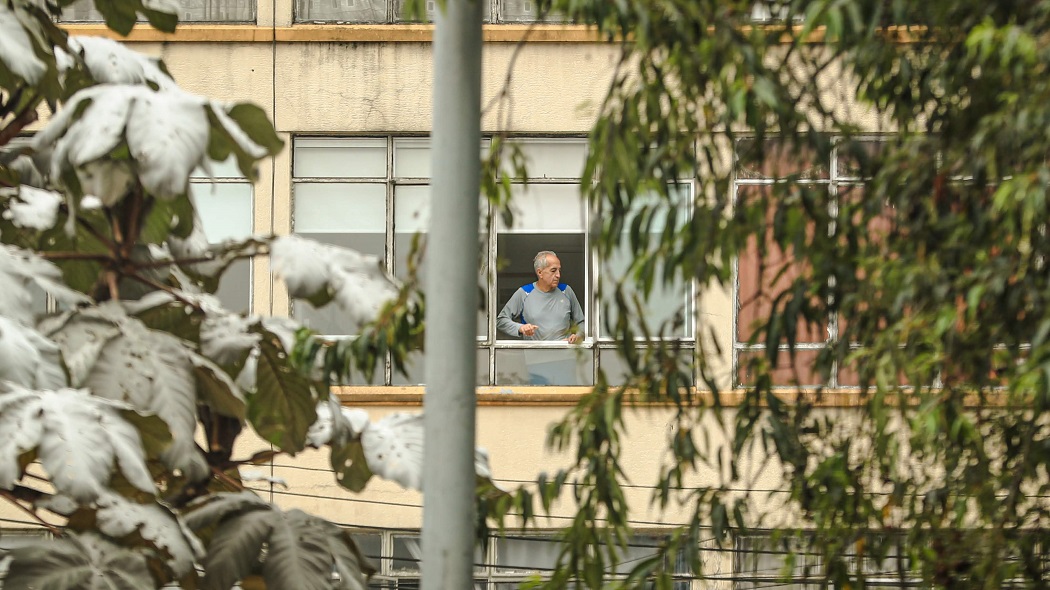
335, 33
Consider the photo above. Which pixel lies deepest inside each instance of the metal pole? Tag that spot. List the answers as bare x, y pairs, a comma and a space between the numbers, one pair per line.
451, 290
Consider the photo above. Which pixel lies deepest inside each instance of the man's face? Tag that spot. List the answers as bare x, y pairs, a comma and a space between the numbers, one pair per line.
550, 276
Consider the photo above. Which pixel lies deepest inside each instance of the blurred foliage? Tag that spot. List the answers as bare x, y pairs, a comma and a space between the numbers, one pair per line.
928, 276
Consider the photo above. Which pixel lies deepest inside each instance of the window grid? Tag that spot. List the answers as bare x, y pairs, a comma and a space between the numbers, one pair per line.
397, 565
493, 348
227, 175
190, 11
838, 179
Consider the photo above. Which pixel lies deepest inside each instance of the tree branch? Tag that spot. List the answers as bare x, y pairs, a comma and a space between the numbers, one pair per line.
75, 256
166, 288
23, 120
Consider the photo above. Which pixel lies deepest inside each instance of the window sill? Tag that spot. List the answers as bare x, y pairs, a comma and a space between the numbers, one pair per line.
336, 32
564, 396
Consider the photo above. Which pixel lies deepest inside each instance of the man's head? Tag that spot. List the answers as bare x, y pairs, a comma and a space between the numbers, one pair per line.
548, 270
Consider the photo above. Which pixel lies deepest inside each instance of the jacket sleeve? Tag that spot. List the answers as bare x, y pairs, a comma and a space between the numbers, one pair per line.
509, 319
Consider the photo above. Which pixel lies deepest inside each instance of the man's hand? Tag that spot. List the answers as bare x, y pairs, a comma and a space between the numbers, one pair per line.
527, 330
574, 338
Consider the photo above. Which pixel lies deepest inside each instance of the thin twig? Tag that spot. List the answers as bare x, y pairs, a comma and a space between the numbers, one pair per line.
23, 120
166, 288
75, 256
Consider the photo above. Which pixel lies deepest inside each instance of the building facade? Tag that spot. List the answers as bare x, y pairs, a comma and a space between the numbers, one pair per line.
348, 86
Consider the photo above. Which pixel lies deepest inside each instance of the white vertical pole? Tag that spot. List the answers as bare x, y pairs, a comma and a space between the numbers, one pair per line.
451, 295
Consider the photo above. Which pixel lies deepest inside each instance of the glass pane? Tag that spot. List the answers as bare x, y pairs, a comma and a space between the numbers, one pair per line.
224, 209
364, 231
431, 6
371, 546
544, 366
617, 371
330, 319
408, 553
411, 209
547, 207
799, 371
355, 11
524, 554
235, 287
527, 11
763, 277
857, 158
773, 158
553, 158
189, 11
415, 366
412, 158
323, 157
666, 302
339, 208
225, 169
39, 299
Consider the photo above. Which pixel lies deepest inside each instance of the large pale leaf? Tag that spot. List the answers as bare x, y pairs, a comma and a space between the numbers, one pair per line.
29, 359
78, 438
168, 315
167, 133
18, 269
32, 208
336, 424
153, 372
226, 339
18, 52
321, 273
81, 561
82, 334
118, 517
111, 62
302, 551
393, 448
282, 408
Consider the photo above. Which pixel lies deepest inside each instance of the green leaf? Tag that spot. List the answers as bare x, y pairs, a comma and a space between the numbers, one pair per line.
301, 550
284, 404
77, 561
351, 469
256, 123
217, 389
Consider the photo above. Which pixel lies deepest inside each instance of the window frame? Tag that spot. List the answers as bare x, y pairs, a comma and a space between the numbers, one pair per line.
491, 344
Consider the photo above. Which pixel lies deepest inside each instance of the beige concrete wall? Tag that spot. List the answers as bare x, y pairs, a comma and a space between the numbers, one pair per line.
358, 87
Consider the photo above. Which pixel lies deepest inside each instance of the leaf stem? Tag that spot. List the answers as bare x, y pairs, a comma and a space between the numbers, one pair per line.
20, 122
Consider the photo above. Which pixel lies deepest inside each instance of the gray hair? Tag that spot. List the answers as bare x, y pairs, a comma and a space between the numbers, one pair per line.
541, 261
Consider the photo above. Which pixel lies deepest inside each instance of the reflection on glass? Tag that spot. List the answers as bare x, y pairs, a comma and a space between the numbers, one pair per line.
201, 11
349, 11
225, 211
527, 11
328, 157
544, 366
342, 214
617, 372
415, 369
667, 302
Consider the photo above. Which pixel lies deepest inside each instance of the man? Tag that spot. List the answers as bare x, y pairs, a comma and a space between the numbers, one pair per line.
544, 310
